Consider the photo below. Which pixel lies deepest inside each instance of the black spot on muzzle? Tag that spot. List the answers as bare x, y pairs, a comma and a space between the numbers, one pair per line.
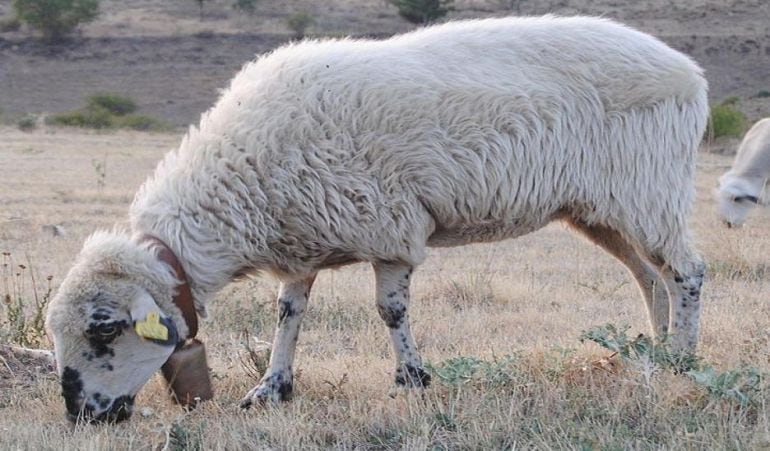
78, 411
120, 410
71, 389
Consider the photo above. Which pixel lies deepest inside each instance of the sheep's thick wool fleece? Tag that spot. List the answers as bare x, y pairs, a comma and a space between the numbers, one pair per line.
325, 152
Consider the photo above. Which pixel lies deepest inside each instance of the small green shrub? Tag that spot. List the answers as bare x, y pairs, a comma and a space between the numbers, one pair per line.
11, 24
743, 385
98, 119
27, 122
640, 348
725, 120
183, 436
423, 11
247, 6
106, 110
459, 371
204, 34
55, 19
299, 23
763, 93
200, 7
141, 122
510, 5
113, 103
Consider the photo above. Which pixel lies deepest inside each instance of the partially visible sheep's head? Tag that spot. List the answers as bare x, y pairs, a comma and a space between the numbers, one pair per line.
735, 199
102, 360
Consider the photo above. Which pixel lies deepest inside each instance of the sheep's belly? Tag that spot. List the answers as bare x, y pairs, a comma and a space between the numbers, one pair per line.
480, 232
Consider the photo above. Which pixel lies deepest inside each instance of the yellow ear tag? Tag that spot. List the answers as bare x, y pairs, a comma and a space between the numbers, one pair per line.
151, 327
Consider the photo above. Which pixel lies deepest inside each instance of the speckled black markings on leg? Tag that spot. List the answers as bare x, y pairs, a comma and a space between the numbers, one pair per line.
411, 376
690, 301
285, 310
392, 314
280, 382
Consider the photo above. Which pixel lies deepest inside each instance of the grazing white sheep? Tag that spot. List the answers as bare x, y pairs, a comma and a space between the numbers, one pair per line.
322, 154
741, 187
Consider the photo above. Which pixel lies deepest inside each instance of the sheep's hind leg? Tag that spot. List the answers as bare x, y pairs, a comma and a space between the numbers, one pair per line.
392, 304
650, 284
685, 289
682, 270
277, 383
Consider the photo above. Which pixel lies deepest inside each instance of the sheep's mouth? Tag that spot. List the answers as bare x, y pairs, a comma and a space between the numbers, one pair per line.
121, 410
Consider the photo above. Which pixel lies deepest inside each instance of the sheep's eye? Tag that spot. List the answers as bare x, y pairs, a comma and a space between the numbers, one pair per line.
103, 332
107, 330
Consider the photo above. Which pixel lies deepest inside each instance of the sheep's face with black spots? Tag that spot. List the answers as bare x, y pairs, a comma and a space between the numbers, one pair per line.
101, 358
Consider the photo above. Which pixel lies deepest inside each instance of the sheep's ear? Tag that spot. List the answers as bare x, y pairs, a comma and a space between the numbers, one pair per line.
151, 323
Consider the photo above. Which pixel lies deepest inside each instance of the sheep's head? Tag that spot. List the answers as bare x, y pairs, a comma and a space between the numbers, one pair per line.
109, 332
734, 200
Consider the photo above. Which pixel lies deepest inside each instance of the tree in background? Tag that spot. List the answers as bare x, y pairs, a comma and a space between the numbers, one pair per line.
200, 7
511, 5
423, 11
55, 19
299, 23
247, 6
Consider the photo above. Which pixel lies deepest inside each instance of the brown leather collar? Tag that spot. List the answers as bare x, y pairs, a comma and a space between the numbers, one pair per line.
183, 298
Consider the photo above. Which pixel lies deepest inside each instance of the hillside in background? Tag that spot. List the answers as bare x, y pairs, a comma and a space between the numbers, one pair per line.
173, 59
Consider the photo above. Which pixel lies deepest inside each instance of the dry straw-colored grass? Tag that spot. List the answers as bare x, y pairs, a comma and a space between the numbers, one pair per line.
515, 308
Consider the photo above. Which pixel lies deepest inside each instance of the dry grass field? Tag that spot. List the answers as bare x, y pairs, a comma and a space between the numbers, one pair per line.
500, 324
512, 312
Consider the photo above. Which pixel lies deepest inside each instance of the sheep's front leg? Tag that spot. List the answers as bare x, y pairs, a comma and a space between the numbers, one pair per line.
276, 384
392, 304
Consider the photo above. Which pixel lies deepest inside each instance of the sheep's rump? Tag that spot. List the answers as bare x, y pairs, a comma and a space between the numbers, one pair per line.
463, 132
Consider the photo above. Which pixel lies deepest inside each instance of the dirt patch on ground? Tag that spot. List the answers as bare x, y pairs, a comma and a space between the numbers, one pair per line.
173, 61
21, 370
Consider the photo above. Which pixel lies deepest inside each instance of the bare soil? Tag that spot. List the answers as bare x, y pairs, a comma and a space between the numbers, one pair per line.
173, 61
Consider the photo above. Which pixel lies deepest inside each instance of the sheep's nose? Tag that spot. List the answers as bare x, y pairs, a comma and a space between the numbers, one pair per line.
120, 410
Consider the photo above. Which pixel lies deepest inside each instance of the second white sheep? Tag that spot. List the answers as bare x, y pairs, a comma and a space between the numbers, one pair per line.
740, 189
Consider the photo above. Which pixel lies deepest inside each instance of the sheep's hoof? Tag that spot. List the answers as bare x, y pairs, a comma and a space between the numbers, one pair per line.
273, 388
412, 376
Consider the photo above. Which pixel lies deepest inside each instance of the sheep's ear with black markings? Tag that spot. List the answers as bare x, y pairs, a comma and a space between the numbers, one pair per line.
151, 323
